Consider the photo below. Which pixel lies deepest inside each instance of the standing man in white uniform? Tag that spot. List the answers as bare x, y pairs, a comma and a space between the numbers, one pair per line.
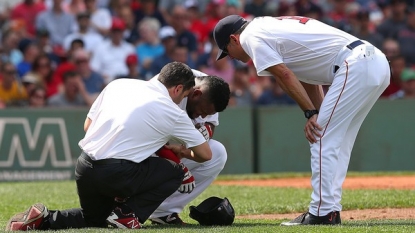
128, 122
209, 96
303, 54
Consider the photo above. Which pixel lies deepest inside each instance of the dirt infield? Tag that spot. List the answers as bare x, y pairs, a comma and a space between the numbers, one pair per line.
375, 182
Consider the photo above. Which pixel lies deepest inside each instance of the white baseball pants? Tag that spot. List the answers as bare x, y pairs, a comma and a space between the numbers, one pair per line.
204, 174
362, 76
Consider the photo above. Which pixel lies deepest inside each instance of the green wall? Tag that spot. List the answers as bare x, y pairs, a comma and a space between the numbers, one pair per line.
386, 140
43, 144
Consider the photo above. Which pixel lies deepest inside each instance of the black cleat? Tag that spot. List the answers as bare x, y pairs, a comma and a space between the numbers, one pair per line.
173, 219
333, 218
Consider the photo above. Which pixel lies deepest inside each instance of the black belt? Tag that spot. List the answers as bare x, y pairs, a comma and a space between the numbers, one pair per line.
354, 44
104, 161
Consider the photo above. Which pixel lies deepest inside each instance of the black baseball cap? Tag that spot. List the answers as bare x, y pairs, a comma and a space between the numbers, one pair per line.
223, 29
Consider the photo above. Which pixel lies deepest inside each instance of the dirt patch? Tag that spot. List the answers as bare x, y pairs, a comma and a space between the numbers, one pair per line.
406, 213
370, 182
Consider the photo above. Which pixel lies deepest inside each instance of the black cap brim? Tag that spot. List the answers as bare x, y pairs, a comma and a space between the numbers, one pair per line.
221, 55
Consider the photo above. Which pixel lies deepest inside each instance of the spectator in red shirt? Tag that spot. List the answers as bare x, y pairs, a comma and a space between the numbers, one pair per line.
397, 65
28, 11
197, 24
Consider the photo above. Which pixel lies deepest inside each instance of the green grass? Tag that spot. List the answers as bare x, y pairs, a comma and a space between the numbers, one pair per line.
16, 197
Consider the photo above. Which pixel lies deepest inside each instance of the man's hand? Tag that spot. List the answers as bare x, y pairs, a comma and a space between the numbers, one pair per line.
312, 129
188, 183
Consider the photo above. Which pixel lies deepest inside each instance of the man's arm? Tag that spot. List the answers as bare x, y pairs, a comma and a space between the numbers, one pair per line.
315, 92
291, 85
200, 153
87, 123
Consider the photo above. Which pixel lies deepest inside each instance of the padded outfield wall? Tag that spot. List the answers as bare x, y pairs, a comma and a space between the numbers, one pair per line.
43, 144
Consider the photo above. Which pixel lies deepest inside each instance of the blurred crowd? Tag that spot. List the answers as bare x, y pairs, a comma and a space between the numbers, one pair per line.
62, 53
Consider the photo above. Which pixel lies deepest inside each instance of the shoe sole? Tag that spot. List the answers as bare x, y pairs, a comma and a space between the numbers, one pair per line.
290, 224
34, 213
116, 224
157, 221
299, 224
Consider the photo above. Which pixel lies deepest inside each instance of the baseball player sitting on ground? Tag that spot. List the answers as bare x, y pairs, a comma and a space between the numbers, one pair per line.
209, 96
303, 54
129, 121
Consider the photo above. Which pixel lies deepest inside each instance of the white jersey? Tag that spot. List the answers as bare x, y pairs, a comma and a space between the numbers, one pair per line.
131, 119
306, 46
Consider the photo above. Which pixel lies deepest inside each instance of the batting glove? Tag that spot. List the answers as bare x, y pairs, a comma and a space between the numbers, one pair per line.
206, 131
188, 183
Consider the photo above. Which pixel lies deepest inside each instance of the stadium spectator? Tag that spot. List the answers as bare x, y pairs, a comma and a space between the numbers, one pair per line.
29, 82
181, 54
275, 95
73, 7
234, 7
45, 45
27, 11
5, 7
9, 51
43, 69
74, 93
165, 6
397, 64
167, 36
286, 9
391, 48
37, 98
30, 51
100, 17
90, 37
240, 86
203, 58
183, 35
12, 92
223, 68
133, 70
215, 11
365, 31
406, 38
126, 14
256, 8
149, 46
109, 56
408, 84
339, 15
196, 23
68, 63
58, 23
397, 19
93, 81
148, 8
307, 7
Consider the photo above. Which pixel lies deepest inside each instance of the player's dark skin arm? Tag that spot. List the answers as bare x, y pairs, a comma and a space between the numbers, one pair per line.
87, 123
292, 86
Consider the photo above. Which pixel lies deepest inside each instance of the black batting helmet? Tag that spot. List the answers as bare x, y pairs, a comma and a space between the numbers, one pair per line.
213, 211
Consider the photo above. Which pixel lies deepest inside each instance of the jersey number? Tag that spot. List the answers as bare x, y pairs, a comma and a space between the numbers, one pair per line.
301, 19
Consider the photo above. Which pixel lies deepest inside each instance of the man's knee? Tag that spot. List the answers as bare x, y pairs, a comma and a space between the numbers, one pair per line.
219, 155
